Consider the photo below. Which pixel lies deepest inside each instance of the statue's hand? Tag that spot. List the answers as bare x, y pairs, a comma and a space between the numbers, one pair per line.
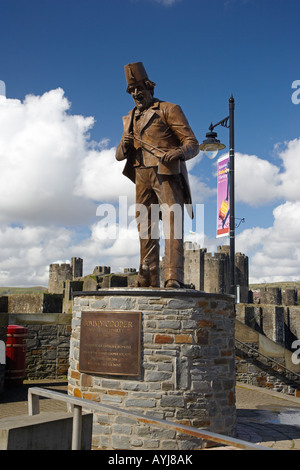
127, 142
172, 155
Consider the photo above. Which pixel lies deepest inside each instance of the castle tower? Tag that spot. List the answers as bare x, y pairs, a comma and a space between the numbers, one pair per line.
101, 270
210, 273
270, 295
216, 273
77, 267
194, 265
242, 276
58, 273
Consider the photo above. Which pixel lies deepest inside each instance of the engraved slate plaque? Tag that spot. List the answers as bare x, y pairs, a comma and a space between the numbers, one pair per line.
110, 343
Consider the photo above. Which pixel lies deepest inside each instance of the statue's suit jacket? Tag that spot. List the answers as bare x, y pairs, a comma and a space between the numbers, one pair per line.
164, 126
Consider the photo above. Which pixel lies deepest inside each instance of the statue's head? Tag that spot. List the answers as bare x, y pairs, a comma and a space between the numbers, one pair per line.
139, 85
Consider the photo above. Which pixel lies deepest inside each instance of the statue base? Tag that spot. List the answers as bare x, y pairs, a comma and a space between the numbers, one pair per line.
164, 353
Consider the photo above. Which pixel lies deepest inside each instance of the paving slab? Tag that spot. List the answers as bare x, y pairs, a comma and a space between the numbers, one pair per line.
271, 419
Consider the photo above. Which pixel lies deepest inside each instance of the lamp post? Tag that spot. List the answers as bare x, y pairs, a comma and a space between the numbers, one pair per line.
211, 145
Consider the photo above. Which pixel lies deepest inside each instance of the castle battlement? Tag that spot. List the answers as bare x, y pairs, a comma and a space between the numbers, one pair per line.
59, 273
209, 272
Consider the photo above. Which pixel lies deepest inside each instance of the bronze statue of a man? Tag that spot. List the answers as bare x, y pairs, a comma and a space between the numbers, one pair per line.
156, 141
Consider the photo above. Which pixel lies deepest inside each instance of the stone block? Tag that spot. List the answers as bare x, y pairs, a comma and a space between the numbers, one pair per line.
157, 376
121, 303
162, 339
99, 304
169, 324
140, 403
120, 442
172, 401
45, 431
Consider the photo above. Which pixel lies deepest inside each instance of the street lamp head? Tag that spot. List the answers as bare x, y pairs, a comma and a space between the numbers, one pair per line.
211, 145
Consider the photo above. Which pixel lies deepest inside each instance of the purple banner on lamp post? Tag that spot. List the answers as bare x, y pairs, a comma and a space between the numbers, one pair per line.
223, 199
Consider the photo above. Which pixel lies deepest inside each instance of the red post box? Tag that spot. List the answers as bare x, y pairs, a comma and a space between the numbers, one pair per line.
15, 354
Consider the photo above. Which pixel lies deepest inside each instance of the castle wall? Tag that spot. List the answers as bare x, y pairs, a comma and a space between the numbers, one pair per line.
273, 323
289, 297
101, 270
77, 267
280, 324
271, 296
31, 303
274, 296
242, 275
216, 273
48, 344
194, 267
59, 273
262, 372
210, 273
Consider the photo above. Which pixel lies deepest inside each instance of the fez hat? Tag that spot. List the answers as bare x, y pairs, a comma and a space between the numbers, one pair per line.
135, 73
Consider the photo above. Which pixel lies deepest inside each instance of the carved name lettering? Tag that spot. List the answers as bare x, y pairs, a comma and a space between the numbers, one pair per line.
110, 343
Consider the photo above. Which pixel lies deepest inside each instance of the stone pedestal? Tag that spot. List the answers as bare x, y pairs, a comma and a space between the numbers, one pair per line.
186, 371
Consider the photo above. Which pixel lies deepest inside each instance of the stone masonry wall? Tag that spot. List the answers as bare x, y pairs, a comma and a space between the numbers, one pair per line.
188, 372
48, 344
263, 366
33, 303
279, 323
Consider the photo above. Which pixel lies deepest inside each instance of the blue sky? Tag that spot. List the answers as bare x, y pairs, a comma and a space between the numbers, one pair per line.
63, 65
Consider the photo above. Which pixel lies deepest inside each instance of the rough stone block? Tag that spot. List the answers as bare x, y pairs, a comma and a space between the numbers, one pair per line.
162, 339
154, 376
121, 303
140, 403
172, 401
120, 442
98, 304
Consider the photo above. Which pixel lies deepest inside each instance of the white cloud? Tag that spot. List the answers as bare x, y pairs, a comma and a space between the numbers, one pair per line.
199, 190
275, 251
26, 252
41, 148
256, 180
290, 177
101, 179
2, 88
116, 246
259, 182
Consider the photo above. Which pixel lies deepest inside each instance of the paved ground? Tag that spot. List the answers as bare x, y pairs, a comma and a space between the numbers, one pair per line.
268, 418
14, 399
263, 417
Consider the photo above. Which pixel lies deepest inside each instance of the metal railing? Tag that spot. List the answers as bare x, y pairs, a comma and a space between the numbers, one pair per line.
269, 359
78, 404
